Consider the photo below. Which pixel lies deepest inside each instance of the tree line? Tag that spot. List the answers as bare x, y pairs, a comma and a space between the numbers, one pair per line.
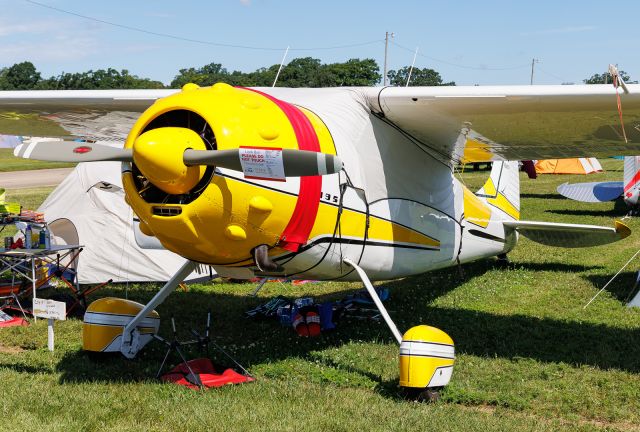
300, 72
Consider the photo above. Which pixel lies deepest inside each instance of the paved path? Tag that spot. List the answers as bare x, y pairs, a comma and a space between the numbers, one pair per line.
33, 178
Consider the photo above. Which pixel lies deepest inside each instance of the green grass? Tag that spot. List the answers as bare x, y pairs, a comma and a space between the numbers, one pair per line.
8, 162
529, 356
14, 123
29, 198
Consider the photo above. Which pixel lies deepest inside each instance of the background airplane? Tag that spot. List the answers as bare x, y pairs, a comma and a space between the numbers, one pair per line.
629, 188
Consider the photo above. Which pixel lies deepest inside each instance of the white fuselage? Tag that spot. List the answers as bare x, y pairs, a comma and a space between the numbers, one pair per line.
394, 179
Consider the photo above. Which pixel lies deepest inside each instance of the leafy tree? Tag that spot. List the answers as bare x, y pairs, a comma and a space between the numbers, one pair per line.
606, 78
20, 76
99, 79
353, 72
263, 77
208, 75
300, 72
419, 77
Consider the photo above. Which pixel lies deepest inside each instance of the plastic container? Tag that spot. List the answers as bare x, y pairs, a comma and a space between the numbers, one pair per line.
47, 238
41, 239
27, 237
303, 301
286, 314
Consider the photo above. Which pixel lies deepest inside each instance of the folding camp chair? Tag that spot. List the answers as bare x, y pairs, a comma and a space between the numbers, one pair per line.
63, 232
9, 293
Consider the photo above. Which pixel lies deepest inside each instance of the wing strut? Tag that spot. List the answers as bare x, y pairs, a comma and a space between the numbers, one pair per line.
376, 299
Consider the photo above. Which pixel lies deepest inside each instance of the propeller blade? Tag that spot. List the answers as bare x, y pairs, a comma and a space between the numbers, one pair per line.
71, 151
296, 162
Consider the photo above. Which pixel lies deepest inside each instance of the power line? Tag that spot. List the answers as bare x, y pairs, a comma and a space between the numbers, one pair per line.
203, 42
562, 80
462, 66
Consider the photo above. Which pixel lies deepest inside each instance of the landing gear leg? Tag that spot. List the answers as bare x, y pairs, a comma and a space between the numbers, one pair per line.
131, 335
426, 353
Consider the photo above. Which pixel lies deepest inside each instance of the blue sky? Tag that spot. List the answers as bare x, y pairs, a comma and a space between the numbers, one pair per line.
470, 42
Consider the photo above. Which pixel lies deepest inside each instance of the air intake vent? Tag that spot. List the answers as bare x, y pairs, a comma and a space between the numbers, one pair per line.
167, 211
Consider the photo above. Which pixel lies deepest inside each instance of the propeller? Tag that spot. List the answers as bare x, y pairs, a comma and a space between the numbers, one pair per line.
71, 151
296, 162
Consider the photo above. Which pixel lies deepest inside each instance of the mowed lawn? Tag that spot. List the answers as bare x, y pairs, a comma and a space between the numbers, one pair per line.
529, 355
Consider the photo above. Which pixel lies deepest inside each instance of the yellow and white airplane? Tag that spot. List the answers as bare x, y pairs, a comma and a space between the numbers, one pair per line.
329, 184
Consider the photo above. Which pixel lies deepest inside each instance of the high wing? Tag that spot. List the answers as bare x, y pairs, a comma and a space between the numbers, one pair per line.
457, 123
104, 115
514, 122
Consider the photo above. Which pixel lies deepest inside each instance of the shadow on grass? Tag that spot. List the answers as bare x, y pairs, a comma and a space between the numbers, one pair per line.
23, 368
619, 209
544, 196
621, 288
256, 343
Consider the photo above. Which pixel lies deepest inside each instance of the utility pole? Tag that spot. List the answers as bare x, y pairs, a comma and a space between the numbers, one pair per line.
385, 80
533, 62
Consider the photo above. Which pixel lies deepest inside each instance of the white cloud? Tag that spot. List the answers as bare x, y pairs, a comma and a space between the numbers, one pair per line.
46, 40
58, 49
34, 27
245, 2
562, 30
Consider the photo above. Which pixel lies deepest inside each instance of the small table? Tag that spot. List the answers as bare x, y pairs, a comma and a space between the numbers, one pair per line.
15, 260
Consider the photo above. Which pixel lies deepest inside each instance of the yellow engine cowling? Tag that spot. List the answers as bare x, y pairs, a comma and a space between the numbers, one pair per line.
229, 217
426, 358
106, 318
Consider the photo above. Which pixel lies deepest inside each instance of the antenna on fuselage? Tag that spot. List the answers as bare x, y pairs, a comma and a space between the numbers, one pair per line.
280, 68
413, 63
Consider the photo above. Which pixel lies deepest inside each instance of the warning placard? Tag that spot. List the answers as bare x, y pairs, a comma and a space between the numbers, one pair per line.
262, 163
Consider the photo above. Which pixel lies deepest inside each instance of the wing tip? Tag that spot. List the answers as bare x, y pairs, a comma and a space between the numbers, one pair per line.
622, 230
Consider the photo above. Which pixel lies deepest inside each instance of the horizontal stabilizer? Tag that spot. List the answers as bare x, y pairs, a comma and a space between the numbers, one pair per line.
568, 235
592, 192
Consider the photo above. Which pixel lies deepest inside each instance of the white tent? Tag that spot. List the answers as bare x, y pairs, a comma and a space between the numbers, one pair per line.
104, 224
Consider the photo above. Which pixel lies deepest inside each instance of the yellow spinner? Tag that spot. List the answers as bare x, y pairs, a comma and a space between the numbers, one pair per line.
195, 211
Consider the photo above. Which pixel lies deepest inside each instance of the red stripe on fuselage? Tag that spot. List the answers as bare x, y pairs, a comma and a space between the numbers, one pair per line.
634, 180
304, 214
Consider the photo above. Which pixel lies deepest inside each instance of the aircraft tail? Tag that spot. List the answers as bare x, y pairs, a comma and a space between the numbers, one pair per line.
631, 180
502, 189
